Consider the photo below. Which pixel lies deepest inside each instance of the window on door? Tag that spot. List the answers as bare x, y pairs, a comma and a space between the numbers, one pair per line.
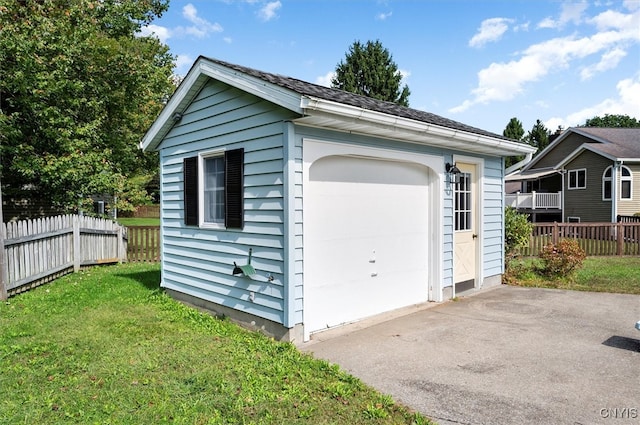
463, 203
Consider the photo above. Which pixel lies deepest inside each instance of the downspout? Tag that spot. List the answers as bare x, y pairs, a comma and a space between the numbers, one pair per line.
518, 165
614, 191
562, 200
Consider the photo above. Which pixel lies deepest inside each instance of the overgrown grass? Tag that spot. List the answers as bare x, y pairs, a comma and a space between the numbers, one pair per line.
135, 221
598, 274
106, 346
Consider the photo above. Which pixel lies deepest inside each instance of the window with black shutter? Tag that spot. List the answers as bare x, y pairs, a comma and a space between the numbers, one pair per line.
214, 189
191, 191
234, 188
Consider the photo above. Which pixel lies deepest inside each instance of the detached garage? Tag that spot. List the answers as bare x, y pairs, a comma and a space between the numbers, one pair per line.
295, 208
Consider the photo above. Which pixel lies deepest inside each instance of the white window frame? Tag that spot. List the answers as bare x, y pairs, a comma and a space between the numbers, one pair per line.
608, 180
202, 157
577, 173
573, 219
629, 179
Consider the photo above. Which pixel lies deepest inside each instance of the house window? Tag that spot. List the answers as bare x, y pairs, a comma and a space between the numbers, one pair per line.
463, 202
625, 183
578, 179
213, 189
606, 184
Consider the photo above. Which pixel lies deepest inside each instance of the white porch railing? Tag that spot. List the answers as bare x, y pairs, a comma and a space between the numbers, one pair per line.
534, 200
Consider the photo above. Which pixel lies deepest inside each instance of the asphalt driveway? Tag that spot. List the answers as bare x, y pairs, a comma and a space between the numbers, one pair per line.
509, 355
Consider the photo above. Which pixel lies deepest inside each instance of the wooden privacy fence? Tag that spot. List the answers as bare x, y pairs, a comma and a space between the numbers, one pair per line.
143, 244
37, 251
595, 239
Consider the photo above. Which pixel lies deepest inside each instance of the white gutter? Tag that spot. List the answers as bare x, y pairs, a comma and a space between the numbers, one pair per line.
519, 165
410, 125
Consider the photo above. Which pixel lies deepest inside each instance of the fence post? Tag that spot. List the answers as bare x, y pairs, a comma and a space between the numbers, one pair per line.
620, 238
3, 266
533, 200
76, 243
121, 251
554, 233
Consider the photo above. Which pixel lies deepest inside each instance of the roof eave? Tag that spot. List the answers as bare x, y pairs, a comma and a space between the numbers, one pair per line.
370, 122
198, 75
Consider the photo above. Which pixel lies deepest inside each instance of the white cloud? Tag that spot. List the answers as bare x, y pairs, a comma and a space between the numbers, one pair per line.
490, 30
383, 16
183, 63
325, 80
405, 76
609, 60
627, 103
506, 80
269, 11
162, 33
201, 27
571, 12
228, 40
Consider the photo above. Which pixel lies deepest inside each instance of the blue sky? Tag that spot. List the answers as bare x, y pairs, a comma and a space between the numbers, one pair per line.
478, 62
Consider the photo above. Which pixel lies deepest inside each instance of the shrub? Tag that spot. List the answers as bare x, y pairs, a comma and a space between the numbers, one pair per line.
517, 230
561, 259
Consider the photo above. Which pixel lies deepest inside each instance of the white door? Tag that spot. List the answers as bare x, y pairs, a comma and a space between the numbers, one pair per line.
465, 224
366, 239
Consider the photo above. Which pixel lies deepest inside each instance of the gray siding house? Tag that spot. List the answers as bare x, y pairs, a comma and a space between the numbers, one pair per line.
587, 174
294, 208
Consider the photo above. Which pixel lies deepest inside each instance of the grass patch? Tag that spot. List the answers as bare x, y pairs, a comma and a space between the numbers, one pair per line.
598, 274
134, 221
107, 346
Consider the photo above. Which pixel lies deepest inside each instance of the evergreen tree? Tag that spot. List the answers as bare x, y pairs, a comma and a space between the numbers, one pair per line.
538, 136
515, 131
369, 70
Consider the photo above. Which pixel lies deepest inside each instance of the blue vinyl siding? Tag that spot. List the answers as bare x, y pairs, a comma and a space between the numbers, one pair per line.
199, 261
492, 218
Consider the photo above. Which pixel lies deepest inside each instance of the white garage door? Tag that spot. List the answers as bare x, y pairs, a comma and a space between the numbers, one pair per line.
366, 238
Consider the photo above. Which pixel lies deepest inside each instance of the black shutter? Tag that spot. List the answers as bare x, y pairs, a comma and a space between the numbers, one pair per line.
234, 188
191, 191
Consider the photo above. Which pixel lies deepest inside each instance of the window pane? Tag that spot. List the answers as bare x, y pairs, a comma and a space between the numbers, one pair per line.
214, 190
626, 172
626, 189
572, 179
606, 186
607, 173
582, 178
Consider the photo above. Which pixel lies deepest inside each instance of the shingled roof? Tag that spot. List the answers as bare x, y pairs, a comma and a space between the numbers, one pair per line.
308, 89
619, 143
333, 109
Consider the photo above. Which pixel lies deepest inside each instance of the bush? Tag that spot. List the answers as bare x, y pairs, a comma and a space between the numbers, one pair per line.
561, 259
517, 231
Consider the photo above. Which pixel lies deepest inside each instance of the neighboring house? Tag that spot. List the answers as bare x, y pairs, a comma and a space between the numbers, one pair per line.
588, 174
343, 205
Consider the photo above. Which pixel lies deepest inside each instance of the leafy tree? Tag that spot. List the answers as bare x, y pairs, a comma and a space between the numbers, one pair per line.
538, 136
78, 90
369, 70
515, 131
621, 121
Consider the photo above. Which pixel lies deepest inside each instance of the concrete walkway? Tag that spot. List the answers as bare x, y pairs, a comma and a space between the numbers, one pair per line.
509, 355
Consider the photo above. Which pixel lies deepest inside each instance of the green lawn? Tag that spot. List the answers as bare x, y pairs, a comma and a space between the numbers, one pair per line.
133, 221
106, 346
598, 274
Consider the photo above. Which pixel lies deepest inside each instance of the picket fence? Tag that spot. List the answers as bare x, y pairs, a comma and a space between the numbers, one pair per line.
40, 250
596, 239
